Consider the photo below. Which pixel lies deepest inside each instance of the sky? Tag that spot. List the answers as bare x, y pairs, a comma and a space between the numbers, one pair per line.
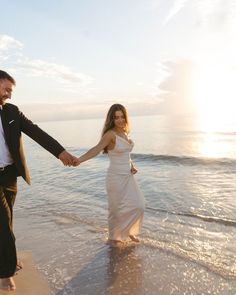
72, 59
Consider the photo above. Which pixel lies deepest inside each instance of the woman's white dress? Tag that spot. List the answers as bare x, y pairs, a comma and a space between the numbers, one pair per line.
125, 199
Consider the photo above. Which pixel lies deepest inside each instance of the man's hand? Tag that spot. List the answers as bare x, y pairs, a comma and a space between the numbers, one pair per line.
67, 159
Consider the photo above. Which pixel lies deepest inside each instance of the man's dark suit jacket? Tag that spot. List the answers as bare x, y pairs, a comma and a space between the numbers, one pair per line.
14, 122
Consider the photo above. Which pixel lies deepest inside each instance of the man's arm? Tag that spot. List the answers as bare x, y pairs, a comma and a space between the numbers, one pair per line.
46, 141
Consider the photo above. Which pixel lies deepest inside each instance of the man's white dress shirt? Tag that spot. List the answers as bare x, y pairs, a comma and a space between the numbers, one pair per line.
5, 155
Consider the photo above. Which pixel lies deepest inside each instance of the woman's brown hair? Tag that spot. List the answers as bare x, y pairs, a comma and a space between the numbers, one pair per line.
109, 122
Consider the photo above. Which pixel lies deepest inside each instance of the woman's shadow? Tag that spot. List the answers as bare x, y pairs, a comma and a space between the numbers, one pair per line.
112, 271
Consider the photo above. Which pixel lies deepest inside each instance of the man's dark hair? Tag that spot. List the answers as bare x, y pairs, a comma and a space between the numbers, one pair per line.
5, 76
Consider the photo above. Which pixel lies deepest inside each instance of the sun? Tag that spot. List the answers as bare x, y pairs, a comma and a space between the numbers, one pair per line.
214, 94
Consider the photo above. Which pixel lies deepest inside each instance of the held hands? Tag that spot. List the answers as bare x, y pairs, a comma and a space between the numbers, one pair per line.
67, 159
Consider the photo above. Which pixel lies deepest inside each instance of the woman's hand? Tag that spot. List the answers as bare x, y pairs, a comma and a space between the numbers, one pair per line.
77, 162
68, 159
133, 170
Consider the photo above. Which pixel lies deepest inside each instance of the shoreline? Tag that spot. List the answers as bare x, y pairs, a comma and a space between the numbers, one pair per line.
134, 269
75, 259
29, 281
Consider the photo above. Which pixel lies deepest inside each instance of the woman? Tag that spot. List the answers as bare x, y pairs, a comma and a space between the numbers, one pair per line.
125, 200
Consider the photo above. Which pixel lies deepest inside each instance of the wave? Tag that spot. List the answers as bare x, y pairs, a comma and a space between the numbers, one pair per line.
223, 221
176, 160
185, 160
173, 159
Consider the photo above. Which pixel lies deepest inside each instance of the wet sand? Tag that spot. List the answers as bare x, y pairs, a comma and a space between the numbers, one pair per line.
144, 270
76, 260
29, 281
134, 269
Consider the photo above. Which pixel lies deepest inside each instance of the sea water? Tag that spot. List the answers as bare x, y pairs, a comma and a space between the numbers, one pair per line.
188, 178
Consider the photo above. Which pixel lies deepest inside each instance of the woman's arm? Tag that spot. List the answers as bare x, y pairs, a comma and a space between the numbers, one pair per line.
94, 151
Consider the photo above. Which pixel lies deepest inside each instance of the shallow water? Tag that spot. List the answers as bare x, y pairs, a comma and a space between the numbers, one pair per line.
189, 228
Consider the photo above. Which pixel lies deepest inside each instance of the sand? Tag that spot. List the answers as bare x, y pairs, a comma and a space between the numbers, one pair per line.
28, 281
135, 270
83, 264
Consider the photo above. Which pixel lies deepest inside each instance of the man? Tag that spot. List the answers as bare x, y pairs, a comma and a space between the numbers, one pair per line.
13, 164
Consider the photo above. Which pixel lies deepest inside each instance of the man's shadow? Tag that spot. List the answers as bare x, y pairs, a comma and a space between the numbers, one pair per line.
112, 271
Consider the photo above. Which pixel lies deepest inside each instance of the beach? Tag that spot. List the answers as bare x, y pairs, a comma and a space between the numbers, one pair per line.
147, 268
187, 239
29, 281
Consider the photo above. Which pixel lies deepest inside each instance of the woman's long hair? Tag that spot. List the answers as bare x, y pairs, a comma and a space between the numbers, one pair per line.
109, 122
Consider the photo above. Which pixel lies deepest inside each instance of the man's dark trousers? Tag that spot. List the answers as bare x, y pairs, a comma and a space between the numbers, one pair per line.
8, 191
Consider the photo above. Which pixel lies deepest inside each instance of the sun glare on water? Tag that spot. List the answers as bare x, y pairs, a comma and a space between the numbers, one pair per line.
215, 101
215, 98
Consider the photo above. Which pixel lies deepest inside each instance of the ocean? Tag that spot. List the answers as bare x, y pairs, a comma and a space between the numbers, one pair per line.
188, 178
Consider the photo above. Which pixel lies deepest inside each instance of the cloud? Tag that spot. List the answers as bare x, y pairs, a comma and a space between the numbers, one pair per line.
7, 42
175, 90
175, 9
9, 47
11, 50
55, 71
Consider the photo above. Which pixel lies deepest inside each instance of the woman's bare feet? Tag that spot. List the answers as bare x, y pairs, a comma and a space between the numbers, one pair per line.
7, 284
134, 239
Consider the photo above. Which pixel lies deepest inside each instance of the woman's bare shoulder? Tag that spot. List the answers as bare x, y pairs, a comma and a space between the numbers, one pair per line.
110, 134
